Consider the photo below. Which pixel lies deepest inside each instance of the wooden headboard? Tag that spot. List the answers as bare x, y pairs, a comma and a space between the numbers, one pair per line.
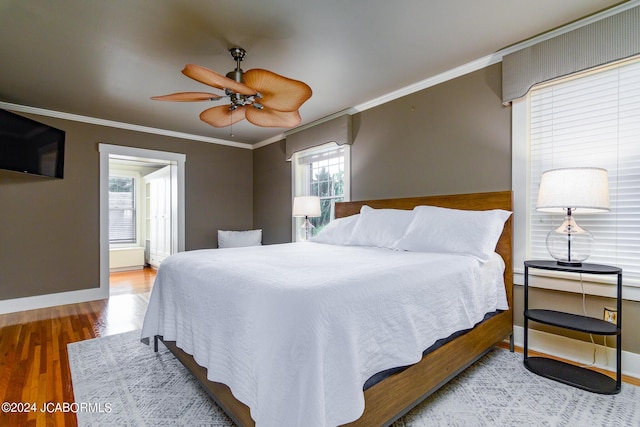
472, 201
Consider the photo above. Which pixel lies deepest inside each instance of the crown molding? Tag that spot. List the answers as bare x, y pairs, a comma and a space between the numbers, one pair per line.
269, 141
431, 81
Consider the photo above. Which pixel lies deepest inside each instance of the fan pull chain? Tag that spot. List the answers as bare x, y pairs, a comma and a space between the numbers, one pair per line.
231, 124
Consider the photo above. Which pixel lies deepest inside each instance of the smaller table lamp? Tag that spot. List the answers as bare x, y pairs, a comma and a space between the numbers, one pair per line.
306, 206
572, 191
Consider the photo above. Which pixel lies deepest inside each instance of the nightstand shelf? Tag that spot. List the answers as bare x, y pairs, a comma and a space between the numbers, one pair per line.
576, 322
560, 371
572, 375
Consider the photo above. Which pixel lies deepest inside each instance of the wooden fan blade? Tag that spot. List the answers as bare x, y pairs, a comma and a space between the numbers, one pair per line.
188, 96
278, 92
221, 116
267, 117
211, 78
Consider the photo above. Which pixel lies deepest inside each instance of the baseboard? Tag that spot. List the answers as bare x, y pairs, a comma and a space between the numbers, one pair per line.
51, 300
123, 269
578, 351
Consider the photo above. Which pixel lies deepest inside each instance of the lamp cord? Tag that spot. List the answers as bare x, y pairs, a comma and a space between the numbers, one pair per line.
584, 310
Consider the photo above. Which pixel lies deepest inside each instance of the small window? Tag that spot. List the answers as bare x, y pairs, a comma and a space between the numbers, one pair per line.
122, 209
321, 171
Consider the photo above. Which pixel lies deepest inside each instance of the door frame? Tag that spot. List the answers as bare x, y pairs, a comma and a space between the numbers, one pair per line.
106, 152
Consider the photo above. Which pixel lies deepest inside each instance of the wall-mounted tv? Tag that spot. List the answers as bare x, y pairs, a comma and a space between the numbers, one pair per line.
29, 146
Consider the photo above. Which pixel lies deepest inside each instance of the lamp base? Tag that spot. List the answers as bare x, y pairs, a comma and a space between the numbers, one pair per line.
569, 264
307, 228
569, 244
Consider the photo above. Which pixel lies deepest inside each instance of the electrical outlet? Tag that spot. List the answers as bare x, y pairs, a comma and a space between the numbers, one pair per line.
610, 315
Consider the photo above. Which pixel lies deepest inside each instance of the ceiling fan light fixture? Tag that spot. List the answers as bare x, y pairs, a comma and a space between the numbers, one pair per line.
280, 97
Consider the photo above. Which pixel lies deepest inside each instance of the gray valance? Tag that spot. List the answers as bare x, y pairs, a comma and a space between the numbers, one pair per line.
336, 130
610, 39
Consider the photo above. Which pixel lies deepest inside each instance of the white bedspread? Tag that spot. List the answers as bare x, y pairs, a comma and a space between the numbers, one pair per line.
296, 329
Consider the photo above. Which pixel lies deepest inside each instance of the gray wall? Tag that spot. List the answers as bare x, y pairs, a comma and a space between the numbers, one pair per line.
451, 138
49, 228
272, 193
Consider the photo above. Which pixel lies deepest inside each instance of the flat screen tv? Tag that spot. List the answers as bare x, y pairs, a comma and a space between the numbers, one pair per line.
30, 147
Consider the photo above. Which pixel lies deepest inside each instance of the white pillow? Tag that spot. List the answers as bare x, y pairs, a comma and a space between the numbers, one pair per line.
380, 227
435, 229
238, 239
338, 231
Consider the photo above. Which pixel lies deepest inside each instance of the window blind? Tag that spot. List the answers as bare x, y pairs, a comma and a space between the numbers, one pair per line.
592, 119
316, 155
122, 213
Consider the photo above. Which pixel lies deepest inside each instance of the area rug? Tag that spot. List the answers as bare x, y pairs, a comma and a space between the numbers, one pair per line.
120, 381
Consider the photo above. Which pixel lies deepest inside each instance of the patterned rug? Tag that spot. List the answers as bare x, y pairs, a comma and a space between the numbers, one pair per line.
123, 382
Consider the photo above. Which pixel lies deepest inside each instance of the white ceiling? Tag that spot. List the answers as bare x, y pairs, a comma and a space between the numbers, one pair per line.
106, 58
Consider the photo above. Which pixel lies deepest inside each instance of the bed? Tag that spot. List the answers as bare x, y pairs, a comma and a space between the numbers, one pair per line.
309, 393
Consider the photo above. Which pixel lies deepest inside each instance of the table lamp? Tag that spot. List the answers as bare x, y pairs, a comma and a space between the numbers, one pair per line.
306, 206
572, 191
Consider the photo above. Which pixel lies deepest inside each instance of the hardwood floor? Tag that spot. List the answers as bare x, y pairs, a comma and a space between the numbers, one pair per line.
34, 366
131, 282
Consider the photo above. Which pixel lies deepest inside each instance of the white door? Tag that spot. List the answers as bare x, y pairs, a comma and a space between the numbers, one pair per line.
160, 215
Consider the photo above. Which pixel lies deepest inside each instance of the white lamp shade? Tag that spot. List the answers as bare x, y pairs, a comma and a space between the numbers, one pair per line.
584, 189
306, 206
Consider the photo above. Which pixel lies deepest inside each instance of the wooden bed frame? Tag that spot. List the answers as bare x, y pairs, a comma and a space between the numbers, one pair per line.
394, 396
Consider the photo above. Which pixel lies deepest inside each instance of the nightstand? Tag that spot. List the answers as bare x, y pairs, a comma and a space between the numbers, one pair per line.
563, 372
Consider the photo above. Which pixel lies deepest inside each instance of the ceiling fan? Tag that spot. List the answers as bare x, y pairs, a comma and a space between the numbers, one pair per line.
262, 97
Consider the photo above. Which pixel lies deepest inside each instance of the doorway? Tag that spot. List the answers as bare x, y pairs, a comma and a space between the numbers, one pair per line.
172, 164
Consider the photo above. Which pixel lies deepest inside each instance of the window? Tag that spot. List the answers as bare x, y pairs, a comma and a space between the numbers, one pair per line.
122, 209
321, 171
591, 119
